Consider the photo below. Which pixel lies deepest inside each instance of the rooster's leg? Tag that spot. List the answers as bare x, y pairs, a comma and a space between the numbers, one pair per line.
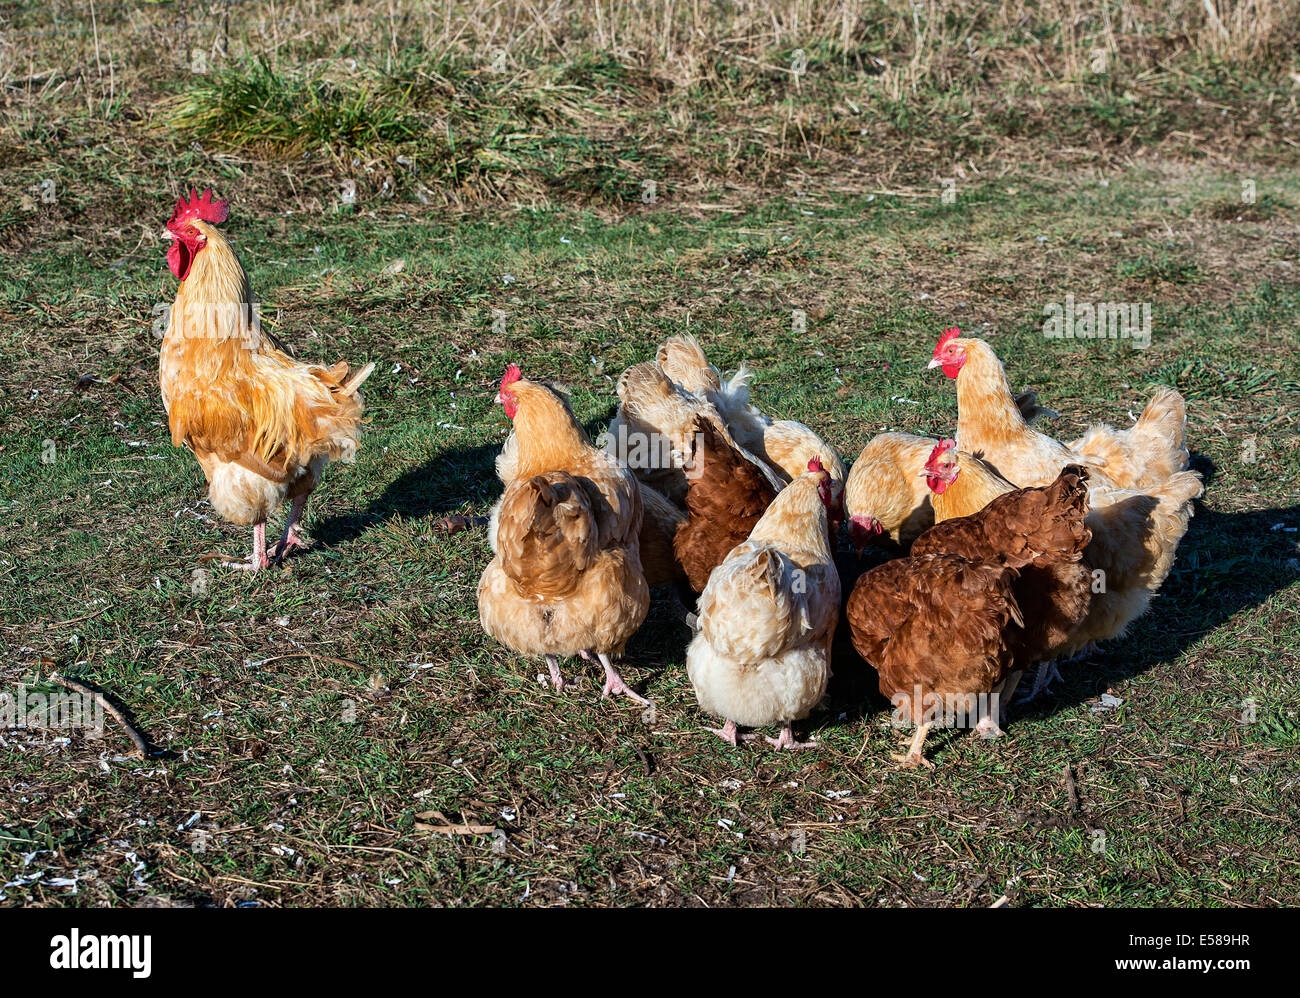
291, 539
786, 740
727, 732
258, 560
614, 682
553, 665
914, 756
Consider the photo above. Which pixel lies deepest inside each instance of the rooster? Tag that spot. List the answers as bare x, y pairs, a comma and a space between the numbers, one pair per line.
566, 575
1135, 536
992, 427
262, 425
767, 617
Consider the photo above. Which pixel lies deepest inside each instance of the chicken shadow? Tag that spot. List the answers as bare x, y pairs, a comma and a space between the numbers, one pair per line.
1227, 563
453, 479
456, 479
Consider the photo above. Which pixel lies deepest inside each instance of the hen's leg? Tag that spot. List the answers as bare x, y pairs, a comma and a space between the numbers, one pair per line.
914, 756
786, 740
1008, 689
1047, 671
553, 665
258, 560
727, 732
291, 539
614, 682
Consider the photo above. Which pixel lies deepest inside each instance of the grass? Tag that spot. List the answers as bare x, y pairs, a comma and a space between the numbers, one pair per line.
307, 775
310, 721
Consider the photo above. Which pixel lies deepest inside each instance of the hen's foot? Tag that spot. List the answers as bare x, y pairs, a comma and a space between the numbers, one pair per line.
914, 757
553, 666
1047, 673
987, 728
727, 732
786, 741
614, 683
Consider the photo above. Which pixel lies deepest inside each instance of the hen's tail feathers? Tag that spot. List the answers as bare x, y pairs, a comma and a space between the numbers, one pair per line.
733, 395
1030, 410
356, 379
1164, 423
643, 381
547, 533
756, 587
683, 361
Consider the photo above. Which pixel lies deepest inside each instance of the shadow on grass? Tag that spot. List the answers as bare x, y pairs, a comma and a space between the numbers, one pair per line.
456, 479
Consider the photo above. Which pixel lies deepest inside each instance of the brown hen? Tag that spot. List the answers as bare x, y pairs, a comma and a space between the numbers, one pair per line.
727, 495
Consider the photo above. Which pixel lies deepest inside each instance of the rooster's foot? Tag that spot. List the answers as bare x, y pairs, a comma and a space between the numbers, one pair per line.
911, 760
553, 666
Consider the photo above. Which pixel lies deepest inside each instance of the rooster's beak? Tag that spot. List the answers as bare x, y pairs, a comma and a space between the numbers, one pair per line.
934, 362
168, 234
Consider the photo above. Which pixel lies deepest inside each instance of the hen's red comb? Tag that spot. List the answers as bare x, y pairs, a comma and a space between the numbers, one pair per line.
815, 464
945, 445
198, 207
512, 375
948, 334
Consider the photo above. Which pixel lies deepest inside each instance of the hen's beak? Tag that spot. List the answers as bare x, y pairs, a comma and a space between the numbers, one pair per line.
934, 362
499, 400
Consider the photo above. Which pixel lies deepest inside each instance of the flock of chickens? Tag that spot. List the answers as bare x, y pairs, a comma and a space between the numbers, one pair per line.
1017, 551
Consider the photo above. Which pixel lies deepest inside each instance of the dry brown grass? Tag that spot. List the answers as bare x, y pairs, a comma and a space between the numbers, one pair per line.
679, 40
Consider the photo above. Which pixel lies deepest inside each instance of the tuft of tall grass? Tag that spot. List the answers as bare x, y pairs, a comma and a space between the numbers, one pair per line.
284, 114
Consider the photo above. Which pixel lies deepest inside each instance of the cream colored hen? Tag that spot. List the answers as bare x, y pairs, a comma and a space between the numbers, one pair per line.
767, 617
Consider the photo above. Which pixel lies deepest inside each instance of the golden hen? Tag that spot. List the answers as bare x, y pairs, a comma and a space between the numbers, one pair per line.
566, 576
992, 427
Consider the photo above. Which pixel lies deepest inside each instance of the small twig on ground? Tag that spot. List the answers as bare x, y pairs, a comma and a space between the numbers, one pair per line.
141, 749
449, 827
1071, 789
317, 658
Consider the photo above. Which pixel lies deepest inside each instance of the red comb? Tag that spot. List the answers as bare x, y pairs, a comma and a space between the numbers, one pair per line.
512, 375
945, 445
948, 334
815, 464
198, 207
